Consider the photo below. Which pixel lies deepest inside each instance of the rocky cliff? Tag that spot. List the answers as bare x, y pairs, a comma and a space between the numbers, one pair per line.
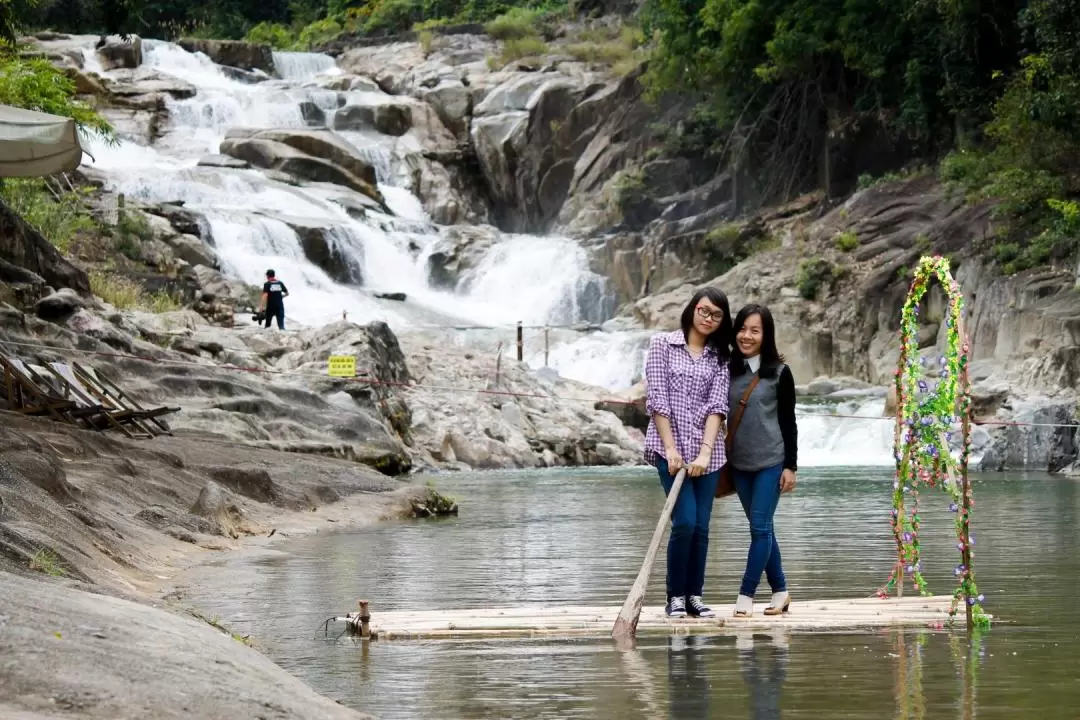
558, 142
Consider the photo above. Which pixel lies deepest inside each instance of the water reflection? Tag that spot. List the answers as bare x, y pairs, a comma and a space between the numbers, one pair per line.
763, 660
688, 677
553, 539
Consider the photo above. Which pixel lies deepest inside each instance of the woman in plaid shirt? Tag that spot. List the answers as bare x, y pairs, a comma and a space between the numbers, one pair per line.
687, 378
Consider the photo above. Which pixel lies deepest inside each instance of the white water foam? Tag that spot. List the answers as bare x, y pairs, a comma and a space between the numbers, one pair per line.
300, 66
250, 214
864, 440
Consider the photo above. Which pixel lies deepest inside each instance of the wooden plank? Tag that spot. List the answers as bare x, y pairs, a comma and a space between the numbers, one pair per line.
596, 621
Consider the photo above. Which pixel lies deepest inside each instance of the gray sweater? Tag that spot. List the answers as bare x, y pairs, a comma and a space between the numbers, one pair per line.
767, 434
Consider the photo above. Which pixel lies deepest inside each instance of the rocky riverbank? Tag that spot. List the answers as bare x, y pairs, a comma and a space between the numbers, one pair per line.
559, 142
94, 527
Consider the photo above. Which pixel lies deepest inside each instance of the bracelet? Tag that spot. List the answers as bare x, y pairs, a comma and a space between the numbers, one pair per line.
708, 445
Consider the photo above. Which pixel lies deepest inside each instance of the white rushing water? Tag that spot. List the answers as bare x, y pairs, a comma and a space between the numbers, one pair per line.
534, 280
865, 439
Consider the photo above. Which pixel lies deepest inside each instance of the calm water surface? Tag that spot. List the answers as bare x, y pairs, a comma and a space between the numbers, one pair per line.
578, 537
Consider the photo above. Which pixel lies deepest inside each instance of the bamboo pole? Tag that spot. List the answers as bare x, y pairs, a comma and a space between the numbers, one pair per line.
626, 624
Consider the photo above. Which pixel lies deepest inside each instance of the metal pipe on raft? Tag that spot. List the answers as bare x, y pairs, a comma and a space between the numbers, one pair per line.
364, 618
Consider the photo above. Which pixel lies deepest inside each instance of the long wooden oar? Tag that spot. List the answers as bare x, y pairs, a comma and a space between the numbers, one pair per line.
626, 623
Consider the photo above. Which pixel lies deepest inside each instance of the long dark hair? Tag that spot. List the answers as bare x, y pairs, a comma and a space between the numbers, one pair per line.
770, 356
720, 338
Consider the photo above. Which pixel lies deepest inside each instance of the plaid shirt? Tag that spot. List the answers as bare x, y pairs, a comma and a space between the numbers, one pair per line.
687, 392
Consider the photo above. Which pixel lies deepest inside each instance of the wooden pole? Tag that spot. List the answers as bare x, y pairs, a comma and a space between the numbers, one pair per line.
547, 345
520, 343
965, 481
905, 461
365, 619
498, 362
626, 624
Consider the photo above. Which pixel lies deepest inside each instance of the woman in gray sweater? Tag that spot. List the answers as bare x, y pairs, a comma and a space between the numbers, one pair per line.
764, 450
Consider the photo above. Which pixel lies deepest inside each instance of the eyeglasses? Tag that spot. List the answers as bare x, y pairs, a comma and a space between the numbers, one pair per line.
706, 314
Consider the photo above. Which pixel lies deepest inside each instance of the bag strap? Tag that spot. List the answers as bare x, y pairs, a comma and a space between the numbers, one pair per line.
736, 417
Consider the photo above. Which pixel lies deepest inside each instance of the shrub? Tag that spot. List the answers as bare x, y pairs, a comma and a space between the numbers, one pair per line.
120, 292
516, 24
58, 216
34, 84
814, 274
847, 241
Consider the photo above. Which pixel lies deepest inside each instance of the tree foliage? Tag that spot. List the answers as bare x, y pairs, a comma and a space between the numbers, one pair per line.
993, 88
783, 77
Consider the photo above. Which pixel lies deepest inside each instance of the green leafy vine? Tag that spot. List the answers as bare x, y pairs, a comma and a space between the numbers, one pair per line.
925, 418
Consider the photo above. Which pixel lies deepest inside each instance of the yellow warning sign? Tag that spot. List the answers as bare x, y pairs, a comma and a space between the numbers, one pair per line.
341, 366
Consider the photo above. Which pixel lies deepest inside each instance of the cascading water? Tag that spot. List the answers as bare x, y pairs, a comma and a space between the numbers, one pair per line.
304, 66
252, 218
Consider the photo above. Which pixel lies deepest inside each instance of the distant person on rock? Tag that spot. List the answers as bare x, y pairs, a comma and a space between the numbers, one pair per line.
764, 450
687, 375
273, 300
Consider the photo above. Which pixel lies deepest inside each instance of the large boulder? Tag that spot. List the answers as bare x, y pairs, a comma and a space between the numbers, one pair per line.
317, 143
330, 248
234, 53
277, 150
116, 53
24, 247
458, 250
141, 82
388, 118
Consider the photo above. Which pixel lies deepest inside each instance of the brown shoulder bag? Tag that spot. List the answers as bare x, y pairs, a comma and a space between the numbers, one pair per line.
726, 486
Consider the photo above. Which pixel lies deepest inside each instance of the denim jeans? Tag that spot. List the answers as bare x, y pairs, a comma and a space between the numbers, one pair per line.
277, 313
688, 544
759, 493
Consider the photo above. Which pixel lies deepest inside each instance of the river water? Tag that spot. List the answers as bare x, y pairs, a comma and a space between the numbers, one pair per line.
578, 536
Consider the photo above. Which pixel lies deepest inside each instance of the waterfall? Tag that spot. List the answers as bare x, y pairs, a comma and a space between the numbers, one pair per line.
300, 66
865, 439
253, 218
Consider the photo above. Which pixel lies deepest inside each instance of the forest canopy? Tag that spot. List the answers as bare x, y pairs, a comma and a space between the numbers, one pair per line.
988, 93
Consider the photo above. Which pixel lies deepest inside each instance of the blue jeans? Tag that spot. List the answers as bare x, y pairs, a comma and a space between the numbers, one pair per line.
688, 544
759, 493
277, 313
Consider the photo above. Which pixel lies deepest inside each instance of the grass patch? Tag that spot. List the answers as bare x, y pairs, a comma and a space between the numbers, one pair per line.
516, 24
847, 241
45, 561
518, 49
727, 245
620, 48
120, 292
815, 275
215, 623
126, 294
131, 231
58, 216
867, 181
426, 38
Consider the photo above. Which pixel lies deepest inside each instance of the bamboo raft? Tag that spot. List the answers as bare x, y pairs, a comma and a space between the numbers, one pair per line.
587, 621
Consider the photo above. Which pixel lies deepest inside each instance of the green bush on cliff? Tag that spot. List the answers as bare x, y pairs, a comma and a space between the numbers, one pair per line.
35, 84
56, 211
58, 215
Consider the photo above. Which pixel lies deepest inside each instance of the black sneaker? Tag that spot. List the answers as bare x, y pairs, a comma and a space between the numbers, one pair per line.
696, 608
676, 608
